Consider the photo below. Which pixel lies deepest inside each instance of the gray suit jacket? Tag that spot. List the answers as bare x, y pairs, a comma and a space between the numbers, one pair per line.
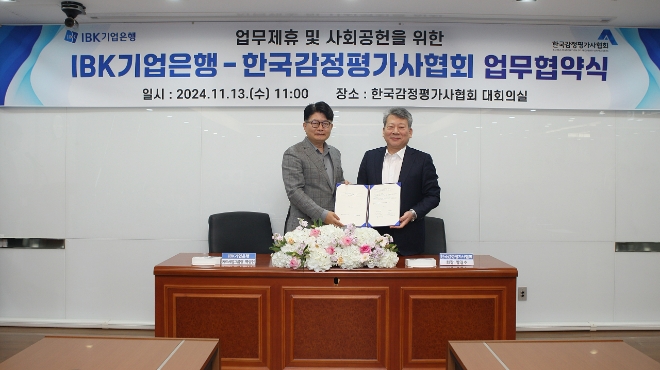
306, 182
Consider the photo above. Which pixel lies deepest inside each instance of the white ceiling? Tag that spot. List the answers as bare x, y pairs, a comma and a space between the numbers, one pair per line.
613, 13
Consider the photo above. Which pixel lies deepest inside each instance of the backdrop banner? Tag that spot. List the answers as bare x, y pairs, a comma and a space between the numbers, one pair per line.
344, 64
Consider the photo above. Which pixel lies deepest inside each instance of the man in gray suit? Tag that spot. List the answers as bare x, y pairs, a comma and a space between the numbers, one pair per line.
311, 169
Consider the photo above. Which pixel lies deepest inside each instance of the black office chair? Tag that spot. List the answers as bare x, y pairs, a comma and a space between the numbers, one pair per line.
246, 232
436, 241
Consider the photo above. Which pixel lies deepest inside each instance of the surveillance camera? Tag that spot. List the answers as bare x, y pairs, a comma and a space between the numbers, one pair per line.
72, 9
70, 22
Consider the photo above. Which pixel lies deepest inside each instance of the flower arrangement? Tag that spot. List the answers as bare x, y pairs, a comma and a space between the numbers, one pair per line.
321, 247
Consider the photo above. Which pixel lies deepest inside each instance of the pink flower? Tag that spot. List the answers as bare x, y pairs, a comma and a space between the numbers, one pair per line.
294, 263
347, 240
365, 249
314, 232
330, 250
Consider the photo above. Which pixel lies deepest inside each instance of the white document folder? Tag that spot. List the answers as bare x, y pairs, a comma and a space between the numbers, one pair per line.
368, 205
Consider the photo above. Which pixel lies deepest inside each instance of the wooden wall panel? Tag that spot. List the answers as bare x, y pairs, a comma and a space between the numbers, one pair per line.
239, 317
218, 314
433, 316
341, 327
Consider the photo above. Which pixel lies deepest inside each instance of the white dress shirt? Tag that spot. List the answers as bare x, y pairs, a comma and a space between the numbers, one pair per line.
392, 166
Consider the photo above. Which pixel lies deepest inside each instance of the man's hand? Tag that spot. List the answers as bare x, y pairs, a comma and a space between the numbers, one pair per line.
332, 219
403, 220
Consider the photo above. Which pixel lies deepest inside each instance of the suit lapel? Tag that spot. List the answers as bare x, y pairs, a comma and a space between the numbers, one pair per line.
407, 164
335, 165
315, 158
379, 165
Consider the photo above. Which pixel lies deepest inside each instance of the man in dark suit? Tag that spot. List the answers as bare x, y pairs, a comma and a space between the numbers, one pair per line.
397, 162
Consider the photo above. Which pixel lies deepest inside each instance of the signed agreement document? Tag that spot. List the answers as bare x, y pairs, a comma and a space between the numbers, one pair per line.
368, 205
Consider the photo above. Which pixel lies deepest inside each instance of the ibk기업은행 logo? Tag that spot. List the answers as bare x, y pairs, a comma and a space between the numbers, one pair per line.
71, 36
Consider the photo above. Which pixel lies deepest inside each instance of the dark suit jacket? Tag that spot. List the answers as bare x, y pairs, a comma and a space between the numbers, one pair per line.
419, 191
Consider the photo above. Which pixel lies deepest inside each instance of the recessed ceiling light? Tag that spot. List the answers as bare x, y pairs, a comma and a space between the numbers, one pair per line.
525, 1
8, 1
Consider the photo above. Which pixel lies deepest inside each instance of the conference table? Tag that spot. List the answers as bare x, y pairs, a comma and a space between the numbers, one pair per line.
547, 355
275, 318
120, 353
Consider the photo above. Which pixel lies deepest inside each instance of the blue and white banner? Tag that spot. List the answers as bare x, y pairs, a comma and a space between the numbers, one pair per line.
344, 64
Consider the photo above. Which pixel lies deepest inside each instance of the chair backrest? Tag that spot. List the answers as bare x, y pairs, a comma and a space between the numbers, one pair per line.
435, 236
248, 232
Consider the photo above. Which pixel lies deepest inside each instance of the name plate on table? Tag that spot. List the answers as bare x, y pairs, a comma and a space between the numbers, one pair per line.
456, 259
206, 261
239, 259
420, 262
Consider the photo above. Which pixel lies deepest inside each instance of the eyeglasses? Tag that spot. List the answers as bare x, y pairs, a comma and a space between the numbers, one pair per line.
316, 123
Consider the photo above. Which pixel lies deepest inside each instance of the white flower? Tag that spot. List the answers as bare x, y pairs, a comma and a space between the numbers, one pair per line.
327, 246
388, 260
318, 260
366, 235
349, 257
280, 259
